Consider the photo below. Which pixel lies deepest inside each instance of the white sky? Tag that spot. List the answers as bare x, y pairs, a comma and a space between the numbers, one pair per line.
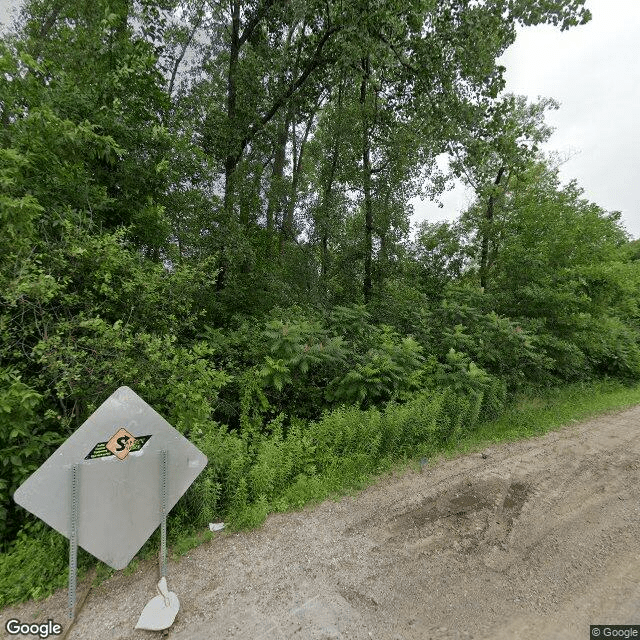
594, 71
5, 9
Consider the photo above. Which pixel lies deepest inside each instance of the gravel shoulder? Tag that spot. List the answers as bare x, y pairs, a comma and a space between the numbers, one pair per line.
531, 539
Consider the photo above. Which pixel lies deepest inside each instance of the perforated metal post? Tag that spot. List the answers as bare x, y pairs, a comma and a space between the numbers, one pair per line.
73, 538
163, 513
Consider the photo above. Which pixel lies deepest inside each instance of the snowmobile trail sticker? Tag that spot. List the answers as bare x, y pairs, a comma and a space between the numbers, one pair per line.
104, 450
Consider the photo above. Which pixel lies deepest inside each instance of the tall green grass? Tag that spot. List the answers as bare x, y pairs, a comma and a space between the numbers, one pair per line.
535, 412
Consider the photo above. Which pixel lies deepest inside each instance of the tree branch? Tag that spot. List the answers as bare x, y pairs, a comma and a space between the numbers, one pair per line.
179, 59
51, 20
255, 21
314, 62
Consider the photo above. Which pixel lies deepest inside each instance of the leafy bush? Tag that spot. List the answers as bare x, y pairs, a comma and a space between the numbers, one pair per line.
89, 358
302, 356
384, 371
350, 361
502, 346
470, 382
610, 346
24, 443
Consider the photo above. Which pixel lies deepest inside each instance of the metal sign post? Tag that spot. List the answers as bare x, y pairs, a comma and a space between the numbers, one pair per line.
163, 513
73, 539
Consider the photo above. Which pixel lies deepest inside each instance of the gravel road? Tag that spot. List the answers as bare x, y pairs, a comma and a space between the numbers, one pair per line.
535, 539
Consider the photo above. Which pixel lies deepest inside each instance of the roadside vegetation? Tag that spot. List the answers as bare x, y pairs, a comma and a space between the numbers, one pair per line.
37, 563
210, 205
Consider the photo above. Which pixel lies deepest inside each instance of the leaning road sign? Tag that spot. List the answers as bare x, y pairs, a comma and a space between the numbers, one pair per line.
119, 500
112, 483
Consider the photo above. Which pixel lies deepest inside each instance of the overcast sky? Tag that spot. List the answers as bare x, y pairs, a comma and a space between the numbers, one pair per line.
594, 72
5, 9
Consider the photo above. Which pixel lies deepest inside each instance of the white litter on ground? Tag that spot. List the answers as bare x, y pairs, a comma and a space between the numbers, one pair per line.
161, 611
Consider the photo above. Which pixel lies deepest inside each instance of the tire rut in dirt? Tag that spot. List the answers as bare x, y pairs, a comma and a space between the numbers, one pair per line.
471, 514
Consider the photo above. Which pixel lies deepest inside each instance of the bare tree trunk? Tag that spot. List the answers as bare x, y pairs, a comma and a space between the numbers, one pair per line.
277, 175
276, 193
326, 206
232, 158
288, 232
382, 231
327, 195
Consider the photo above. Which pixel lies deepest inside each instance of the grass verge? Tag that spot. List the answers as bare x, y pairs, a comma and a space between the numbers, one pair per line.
536, 412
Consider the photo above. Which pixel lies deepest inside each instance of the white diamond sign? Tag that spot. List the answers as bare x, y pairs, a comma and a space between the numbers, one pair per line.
118, 451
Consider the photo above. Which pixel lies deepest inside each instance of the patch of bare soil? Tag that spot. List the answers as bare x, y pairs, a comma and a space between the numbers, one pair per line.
533, 539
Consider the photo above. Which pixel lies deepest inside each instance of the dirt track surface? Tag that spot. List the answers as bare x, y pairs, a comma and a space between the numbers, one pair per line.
537, 540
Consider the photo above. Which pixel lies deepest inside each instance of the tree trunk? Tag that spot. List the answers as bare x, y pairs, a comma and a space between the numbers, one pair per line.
276, 191
382, 262
327, 195
232, 158
486, 232
288, 231
326, 206
277, 175
366, 183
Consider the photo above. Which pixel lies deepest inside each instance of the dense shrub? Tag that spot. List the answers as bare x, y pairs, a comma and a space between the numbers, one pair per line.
264, 469
610, 346
24, 443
